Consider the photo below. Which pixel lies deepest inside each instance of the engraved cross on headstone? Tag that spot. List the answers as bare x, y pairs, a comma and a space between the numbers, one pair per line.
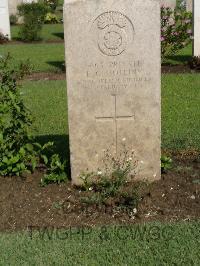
115, 118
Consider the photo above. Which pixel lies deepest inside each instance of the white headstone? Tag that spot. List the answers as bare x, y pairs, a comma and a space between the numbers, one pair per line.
113, 80
168, 3
196, 26
4, 18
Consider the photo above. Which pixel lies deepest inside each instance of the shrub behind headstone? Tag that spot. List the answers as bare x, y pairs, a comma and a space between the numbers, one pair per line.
33, 15
52, 4
176, 31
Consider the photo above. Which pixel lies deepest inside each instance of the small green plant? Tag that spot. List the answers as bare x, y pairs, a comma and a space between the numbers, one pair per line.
15, 148
13, 19
196, 181
57, 205
109, 183
166, 163
176, 30
19, 152
56, 171
3, 38
53, 178
51, 19
33, 15
52, 4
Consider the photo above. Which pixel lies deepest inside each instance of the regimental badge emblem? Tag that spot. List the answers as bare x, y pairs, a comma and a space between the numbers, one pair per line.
114, 32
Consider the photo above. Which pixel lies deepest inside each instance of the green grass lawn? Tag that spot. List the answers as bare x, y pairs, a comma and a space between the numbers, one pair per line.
47, 101
180, 110
182, 57
61, 2
50, 32
153, 244
50, 57
43, 57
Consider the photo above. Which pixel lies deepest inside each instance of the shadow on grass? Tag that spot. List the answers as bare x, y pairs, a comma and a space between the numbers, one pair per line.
22, 41
180, 59
61, 147
60, 65
59, 35
16, 38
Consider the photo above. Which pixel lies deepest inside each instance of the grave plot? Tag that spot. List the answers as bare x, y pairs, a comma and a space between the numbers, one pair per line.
113, 100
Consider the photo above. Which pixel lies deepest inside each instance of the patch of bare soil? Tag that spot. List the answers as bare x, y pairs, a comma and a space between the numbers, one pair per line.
46, 76
24, 203
178, 69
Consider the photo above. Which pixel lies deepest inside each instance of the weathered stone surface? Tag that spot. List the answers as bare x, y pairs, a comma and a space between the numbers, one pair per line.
4, 18
168, 3
196, 26
113, 80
